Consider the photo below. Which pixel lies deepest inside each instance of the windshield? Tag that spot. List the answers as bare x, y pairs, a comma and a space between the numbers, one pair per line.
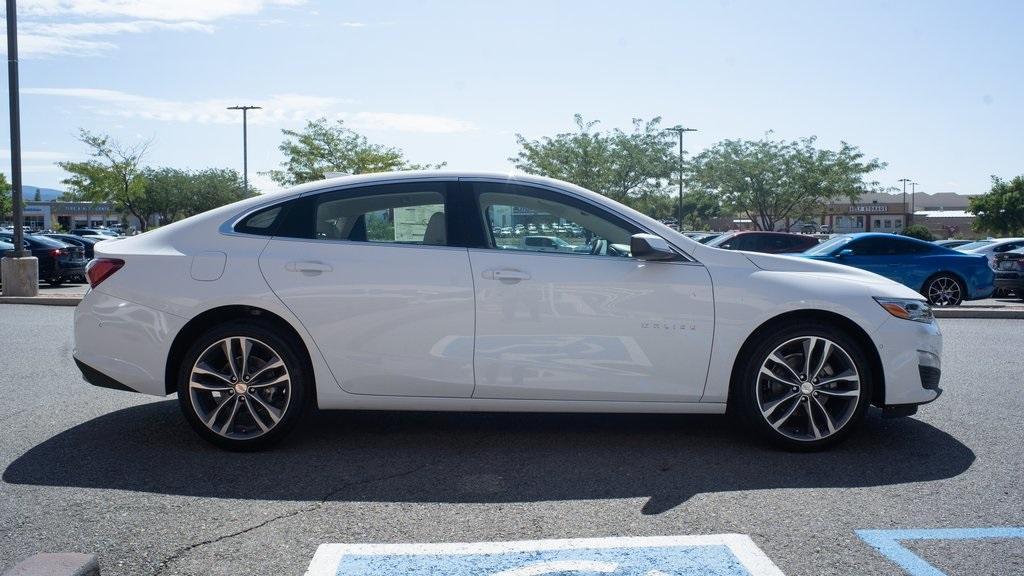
828, 246
718, 240
973, 245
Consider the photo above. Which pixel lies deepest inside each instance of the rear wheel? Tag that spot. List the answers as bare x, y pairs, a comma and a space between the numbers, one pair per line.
242, 387
943, 290
55, 282
805, 387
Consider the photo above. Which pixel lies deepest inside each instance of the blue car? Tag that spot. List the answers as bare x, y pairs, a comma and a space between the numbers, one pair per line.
945, 277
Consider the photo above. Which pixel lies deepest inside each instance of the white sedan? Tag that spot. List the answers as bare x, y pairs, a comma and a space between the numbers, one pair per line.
389, 292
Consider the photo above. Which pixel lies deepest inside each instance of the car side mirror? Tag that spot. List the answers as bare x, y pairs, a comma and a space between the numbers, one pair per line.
650, 247
844, 253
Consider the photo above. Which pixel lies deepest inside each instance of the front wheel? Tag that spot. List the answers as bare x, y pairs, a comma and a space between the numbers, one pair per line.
242, 387
804, 387
944, 290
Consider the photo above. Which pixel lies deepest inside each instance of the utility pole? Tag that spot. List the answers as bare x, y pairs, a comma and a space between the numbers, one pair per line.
20, 270
906, 216
679, 129
245, 141
15, 108
913, 197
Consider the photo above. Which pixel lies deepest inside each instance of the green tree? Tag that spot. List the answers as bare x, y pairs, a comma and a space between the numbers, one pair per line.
114, 174
1001, 210
174, 194
323, 147
918, 231
632, 167
38, 196
6, 198
771, 181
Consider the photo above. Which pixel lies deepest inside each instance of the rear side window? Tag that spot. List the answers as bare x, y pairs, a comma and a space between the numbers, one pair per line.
263, 222
415, 217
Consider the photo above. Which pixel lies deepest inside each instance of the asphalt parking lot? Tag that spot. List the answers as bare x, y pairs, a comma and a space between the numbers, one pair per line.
92, 470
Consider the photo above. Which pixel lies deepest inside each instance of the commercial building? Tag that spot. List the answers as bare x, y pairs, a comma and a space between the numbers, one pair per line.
41, 215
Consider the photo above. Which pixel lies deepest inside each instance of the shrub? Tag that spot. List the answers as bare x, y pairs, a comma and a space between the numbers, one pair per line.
918, 231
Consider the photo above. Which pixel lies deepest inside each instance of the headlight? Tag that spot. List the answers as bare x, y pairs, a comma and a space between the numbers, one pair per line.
916, 310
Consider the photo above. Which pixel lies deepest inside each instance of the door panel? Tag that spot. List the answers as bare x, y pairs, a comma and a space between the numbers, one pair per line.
579, 327
389, 319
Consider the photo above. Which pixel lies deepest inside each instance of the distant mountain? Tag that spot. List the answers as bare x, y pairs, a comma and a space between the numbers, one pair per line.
46, 194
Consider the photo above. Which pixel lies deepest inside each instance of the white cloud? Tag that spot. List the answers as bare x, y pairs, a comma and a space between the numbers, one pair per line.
353, 24
47, 31
277, 109
37, 155
168, 10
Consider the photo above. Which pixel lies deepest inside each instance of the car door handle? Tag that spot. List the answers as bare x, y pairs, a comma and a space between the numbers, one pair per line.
308, 267
509, 274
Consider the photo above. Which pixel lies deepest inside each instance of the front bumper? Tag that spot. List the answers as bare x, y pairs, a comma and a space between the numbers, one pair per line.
911, 361
123, 343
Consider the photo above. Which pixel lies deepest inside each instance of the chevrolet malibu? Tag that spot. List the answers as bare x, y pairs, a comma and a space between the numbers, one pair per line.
391, 292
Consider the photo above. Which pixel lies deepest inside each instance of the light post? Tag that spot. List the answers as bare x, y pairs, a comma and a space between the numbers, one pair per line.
913, 198
245, 141
678, 129
906, 216
20, 271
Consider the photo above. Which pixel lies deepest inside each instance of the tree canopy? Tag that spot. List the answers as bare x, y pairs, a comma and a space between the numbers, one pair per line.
1001, 210
323, 147
114, 174
6, 198
771, 181
632, 167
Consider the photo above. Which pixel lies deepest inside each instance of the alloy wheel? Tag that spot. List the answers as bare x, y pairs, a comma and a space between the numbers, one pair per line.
240, 388
808, 388
944, 291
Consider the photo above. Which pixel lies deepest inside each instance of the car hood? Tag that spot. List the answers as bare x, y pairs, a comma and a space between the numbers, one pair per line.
880, 285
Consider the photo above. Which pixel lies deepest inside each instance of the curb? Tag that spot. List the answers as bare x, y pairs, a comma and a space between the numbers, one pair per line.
978, 313
42, 300
57, 564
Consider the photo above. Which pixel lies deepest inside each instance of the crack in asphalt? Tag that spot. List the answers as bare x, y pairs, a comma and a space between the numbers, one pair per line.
181, 552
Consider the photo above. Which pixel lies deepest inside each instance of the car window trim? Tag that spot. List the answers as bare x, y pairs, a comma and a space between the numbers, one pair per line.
479, 218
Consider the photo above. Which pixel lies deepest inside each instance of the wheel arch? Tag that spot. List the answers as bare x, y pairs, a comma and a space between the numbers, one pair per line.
944, 272
831, 318
219, 315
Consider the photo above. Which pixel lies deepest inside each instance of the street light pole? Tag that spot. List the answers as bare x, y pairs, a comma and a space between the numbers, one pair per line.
15, 108
678, 129
905, 215
245, 141
913, 197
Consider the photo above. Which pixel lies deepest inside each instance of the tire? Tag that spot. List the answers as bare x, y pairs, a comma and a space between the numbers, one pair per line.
944, 290
248, 414
55, 282
774, 404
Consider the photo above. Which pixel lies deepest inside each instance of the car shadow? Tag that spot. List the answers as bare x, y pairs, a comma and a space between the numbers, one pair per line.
468, 458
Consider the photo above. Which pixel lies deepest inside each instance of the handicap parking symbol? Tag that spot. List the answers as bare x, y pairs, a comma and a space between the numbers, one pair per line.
707, 555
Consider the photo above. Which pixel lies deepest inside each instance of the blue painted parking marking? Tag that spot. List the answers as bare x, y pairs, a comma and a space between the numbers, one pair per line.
712, 555
888, 543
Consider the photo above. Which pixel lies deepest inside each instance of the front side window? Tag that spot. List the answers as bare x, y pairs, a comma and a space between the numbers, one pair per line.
521, 218
402, 217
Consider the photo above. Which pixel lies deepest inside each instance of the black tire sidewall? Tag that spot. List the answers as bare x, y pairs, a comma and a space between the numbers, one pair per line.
744, 390
284, 347
963, 289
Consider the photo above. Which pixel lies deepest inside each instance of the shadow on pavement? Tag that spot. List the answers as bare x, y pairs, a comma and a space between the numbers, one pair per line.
452, 457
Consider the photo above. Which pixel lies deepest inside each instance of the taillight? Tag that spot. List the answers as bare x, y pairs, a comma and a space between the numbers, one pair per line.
99, 269
55, 252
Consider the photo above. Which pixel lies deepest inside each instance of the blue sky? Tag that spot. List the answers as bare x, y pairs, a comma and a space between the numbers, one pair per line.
932, 88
